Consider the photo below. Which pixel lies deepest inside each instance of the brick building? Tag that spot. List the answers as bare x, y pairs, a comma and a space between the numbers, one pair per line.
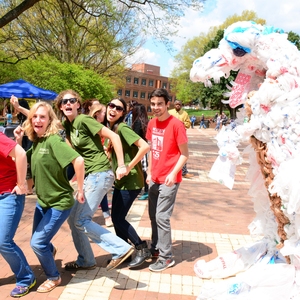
141, 80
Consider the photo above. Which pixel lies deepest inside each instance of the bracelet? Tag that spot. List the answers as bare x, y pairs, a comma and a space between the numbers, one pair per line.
123, 166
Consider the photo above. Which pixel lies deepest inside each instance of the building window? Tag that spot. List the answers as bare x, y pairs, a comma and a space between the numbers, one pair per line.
136, 80
144, 81
135, 94
128, 79
120, 93
143, 95
171, 98
148, 108
164, 85
151, 83
149, 96
127, 93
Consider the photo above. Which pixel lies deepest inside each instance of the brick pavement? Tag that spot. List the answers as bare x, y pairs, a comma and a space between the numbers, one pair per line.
208, 220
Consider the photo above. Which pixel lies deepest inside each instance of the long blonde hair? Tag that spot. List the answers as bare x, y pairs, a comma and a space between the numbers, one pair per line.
53, 126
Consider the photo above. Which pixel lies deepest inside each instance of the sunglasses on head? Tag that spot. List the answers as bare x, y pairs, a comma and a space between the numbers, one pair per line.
117, 107
71, 100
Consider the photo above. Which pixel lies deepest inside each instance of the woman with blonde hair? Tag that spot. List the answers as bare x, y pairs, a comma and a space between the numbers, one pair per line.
54, 193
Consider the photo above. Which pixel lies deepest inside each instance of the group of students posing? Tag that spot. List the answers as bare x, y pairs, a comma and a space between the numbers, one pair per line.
104, 152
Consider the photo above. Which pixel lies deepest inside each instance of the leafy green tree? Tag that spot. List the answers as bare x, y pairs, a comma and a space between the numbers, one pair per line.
294, 38
48, 73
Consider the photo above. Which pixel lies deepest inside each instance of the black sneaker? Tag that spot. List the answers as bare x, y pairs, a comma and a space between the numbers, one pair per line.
154, 252
73, 266
161, 265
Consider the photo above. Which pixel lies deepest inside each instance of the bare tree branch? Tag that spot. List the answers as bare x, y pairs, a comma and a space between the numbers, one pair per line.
15, 12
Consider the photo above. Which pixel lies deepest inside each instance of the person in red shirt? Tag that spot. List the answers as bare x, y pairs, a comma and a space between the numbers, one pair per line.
12, 199
169, 152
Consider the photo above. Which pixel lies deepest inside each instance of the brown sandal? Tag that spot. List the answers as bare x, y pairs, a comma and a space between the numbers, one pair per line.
48, 285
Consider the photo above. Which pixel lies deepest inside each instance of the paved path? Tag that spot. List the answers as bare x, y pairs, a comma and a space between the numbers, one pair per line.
208, 220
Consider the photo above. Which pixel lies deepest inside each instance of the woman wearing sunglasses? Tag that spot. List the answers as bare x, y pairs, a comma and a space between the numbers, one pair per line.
84, 134
128, 187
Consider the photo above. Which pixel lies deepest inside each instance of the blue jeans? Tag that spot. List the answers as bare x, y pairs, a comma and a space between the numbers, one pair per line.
202, 124
11, 209
46, 223
82, 226
161, 205
104, 207
121, 203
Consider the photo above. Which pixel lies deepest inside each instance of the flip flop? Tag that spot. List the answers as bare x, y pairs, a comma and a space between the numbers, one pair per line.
48, 285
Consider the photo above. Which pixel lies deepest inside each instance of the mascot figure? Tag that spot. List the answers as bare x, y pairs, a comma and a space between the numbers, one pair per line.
268, 86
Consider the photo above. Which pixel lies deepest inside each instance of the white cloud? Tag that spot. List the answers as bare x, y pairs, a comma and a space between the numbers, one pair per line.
144, 55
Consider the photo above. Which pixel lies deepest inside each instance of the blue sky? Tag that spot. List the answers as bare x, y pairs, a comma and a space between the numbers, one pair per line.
284, 14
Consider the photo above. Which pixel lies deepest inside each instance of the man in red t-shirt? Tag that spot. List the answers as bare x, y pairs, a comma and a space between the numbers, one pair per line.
169, 152
12, 198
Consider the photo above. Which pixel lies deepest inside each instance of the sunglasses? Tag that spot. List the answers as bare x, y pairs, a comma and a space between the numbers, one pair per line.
117, 107
71, 100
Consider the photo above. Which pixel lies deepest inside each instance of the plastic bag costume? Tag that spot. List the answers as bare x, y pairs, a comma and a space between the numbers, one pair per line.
269, 65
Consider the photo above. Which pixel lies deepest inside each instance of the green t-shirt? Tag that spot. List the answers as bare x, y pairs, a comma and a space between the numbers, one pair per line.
83, 134
49, 158
134, 180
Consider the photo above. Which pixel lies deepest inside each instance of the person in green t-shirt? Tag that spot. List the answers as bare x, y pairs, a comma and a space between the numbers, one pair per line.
84, 134
127, 188
49, 158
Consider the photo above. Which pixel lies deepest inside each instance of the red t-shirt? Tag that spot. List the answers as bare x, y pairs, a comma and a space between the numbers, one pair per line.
165, 138
8, 173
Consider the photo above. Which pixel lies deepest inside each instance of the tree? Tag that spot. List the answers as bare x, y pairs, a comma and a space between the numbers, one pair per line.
99, 34
49, 73
294, 38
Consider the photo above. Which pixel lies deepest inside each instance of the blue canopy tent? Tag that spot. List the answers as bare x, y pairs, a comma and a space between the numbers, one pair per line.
23, 89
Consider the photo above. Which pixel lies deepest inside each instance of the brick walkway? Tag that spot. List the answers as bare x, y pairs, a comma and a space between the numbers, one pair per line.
208, 220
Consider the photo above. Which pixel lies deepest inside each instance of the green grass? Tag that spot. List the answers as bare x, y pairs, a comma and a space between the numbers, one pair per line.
206, 113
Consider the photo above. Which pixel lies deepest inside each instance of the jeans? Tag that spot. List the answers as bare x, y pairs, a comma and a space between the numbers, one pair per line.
80, 221
46, 223
104, 207
202, 124
161, 205
121, 202
184, 169
11, 209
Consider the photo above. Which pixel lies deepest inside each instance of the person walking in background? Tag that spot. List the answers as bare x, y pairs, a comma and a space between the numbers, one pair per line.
218, 121
49, 157
139, 126
12, 199
128, 117
84, 134
98, 111
127, 188
193, 120
202, 123
224, 119
169, 152
183, 116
